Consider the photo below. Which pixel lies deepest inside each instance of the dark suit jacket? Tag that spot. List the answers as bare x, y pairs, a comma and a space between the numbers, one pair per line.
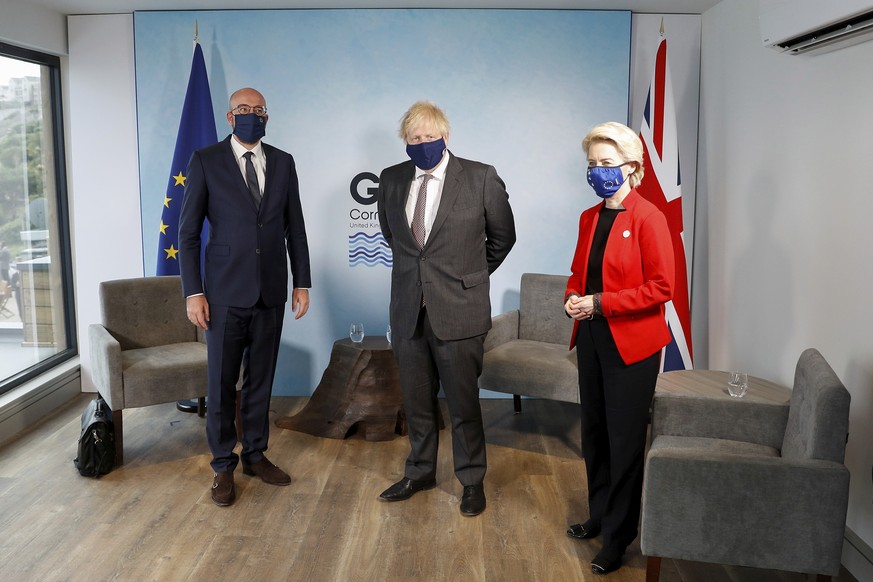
247, 247
472, 233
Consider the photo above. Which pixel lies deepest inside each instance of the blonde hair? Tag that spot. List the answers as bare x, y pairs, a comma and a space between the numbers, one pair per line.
625, 141
422, 112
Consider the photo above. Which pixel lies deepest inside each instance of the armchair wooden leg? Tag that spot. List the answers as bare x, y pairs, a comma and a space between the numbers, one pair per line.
118, 424
653, 569
516, 403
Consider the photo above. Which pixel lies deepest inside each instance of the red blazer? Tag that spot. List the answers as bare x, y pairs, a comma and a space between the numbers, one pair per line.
638, 276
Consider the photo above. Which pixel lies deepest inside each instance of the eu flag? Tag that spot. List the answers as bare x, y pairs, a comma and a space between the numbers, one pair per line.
196, 130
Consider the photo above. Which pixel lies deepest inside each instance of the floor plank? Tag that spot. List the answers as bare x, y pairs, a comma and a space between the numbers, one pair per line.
153, 518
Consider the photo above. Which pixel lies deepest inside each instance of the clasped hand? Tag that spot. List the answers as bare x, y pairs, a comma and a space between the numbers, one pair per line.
580, 307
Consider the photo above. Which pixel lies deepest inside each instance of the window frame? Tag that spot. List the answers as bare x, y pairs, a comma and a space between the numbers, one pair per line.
65, 260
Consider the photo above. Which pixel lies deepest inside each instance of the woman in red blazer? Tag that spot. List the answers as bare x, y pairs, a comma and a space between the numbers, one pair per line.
623, 275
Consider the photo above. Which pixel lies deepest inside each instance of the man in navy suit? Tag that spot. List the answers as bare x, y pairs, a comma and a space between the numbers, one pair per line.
248, 191
449, 225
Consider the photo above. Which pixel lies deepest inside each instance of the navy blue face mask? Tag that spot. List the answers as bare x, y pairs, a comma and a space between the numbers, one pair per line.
426, 155
249, 128
606, 180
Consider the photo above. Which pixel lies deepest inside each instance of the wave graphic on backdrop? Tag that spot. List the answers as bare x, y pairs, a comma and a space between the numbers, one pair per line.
369, 250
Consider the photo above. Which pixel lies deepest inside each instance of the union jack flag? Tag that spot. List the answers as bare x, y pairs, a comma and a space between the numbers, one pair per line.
662, 185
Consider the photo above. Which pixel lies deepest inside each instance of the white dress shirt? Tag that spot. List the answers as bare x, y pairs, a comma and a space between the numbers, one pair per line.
434, 193
259, 159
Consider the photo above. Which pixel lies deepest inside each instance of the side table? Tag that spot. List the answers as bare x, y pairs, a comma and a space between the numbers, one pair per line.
697, 402
360, 389
713, 384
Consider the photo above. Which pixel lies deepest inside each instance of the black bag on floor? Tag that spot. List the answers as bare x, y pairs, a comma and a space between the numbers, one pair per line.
97, 442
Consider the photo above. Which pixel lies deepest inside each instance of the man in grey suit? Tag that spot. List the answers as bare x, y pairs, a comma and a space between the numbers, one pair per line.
449, 225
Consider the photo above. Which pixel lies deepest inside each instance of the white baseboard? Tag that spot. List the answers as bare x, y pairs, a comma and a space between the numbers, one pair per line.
34, 400
857, 556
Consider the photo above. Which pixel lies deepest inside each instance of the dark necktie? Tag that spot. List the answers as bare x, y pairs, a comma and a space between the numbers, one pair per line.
252, 179
418, 213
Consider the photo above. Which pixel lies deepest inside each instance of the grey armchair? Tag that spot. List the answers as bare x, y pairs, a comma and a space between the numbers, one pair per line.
750, 484
145, 351
526, 349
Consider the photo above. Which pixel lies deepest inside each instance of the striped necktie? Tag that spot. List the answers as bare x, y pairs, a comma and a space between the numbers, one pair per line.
418, 214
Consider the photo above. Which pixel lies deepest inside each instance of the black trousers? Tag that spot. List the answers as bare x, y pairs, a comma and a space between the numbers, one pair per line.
615, 401
425, 362
249, 337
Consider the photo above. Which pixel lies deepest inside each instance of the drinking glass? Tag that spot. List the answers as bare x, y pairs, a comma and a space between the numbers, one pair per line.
738, 384
388, 333
356, 332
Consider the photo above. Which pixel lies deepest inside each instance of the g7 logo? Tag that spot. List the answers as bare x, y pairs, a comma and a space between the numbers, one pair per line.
371, 192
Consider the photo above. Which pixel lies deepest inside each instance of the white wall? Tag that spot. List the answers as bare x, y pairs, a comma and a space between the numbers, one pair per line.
103, 173
785, 169
33, 27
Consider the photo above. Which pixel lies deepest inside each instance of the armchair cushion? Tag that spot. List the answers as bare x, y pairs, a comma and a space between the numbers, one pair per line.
163, 373
504, 328
106, 365
532, 368
819, 420
729, 502
145, 312
526, 350
736, 420
541, 313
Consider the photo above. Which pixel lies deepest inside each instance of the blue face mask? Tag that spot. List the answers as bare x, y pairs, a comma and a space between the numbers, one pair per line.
426, 155
249, 128
605, 180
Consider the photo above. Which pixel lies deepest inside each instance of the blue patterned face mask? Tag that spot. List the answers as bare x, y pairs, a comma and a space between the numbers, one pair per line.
249, 128
426, 155
606, 180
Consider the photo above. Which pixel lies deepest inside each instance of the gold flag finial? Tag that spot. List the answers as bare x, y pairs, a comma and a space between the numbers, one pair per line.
662, 27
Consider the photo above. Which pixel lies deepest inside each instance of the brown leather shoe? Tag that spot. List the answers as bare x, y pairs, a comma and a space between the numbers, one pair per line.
268, 472
223, 493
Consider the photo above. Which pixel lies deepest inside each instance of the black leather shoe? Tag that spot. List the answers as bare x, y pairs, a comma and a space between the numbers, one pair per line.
406, 488
473, 500
583, 531
606, 561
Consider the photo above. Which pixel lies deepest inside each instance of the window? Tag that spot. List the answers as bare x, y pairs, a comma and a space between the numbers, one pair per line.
37, 326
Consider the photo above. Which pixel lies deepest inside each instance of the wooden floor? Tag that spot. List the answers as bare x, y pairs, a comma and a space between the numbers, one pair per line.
153, 518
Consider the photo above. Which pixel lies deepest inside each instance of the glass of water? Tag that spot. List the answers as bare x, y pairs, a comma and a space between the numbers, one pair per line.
356, 332
738, 384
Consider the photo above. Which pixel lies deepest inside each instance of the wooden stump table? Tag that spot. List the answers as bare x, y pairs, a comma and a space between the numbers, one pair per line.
359, 390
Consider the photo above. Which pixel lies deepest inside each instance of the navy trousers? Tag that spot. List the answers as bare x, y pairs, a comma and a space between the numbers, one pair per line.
247, 337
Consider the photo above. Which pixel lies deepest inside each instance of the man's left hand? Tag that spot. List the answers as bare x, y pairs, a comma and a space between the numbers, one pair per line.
300, 302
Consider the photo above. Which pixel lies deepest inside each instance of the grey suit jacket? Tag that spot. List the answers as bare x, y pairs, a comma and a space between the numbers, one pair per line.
472, 233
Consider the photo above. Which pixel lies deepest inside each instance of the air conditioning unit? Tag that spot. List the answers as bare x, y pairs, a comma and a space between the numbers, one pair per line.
814, 26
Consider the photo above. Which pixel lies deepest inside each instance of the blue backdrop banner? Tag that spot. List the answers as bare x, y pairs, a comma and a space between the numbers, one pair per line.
521, 89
